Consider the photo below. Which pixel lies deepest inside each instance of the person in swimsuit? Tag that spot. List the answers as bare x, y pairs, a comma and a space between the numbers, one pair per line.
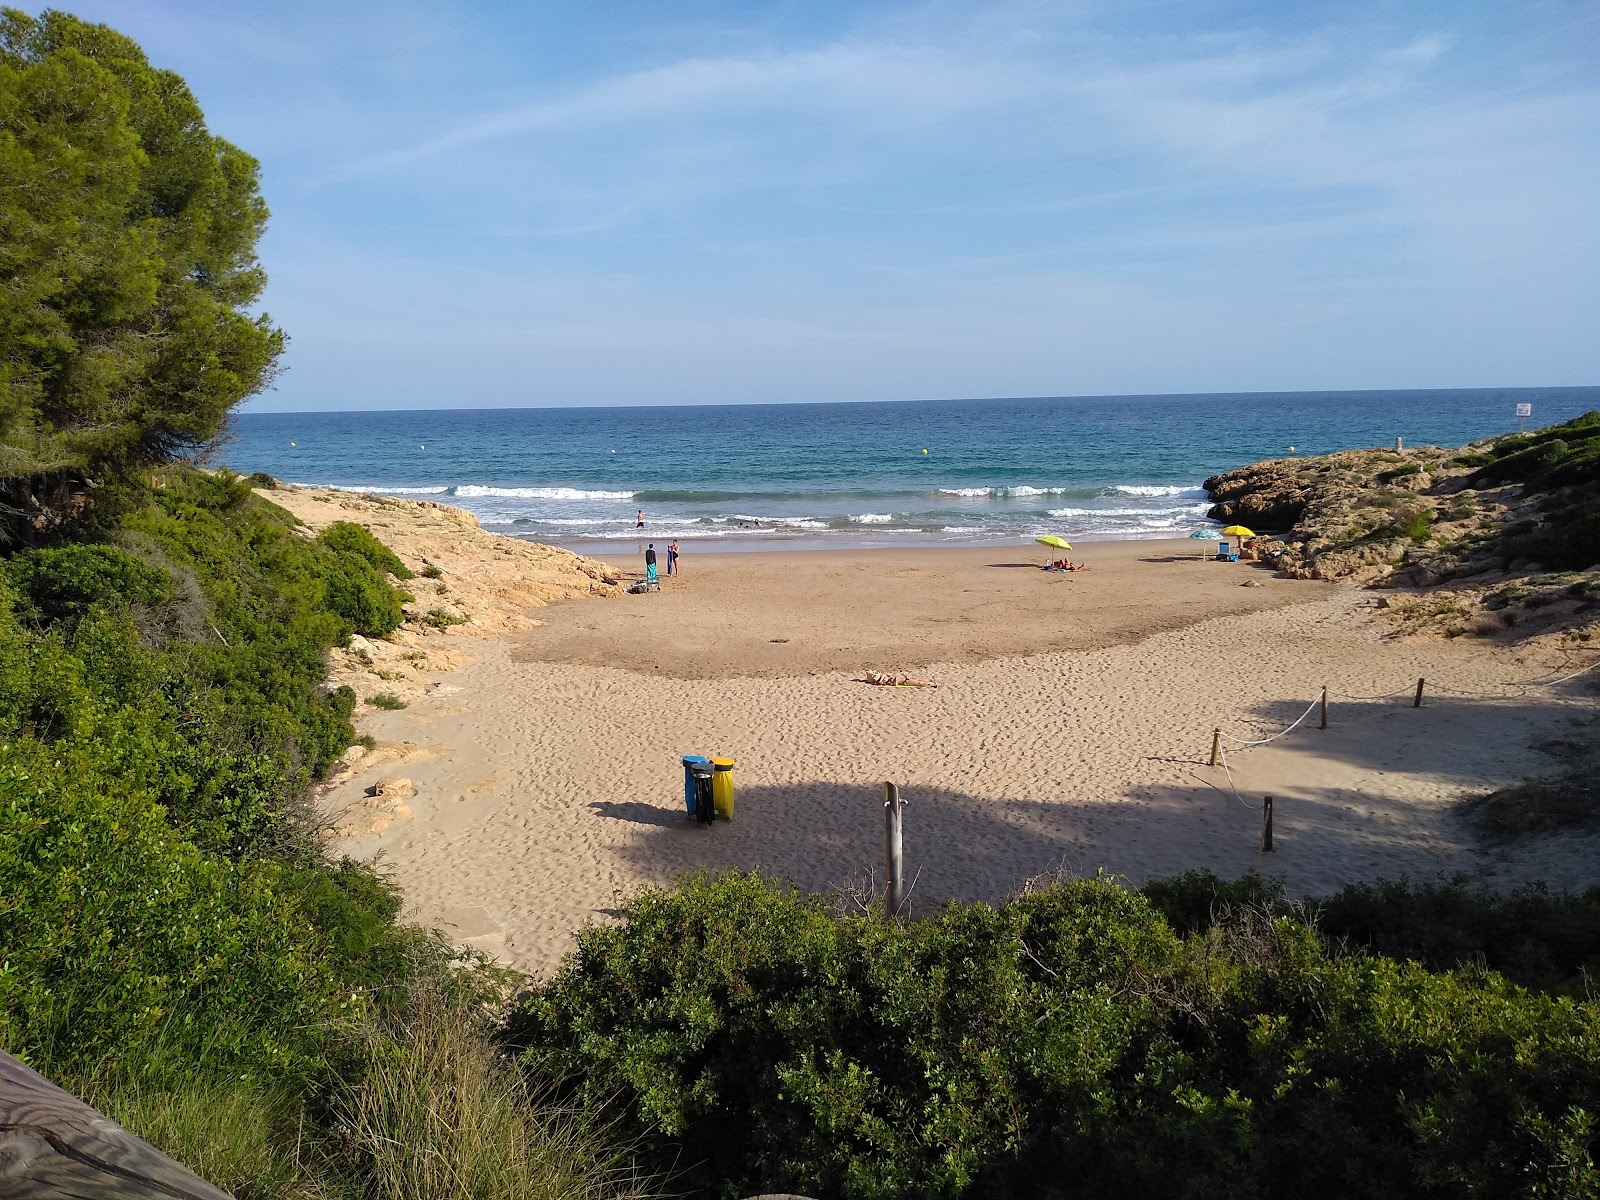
672, 557
639, 520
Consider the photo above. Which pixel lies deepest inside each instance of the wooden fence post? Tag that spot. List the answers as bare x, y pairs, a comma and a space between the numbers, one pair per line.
1324, 724
893, 863
1266, 825
1216, 745
1417, 703
53, 1144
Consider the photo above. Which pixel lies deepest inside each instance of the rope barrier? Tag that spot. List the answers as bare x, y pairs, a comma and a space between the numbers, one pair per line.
1405, 691
1220, 753
1234, 785
1263, 741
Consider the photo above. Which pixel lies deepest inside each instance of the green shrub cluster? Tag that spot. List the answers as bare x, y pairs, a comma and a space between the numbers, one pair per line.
1560, 464
163, 712
1071, 1042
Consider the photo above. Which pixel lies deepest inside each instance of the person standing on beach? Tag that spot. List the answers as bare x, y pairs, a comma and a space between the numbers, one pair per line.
639, 520
672, 557
650, 561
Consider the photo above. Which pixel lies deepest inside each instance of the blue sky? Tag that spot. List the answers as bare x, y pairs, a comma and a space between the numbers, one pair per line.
628, 203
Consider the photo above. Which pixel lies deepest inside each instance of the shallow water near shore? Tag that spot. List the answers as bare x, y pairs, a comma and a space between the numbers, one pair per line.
961, 472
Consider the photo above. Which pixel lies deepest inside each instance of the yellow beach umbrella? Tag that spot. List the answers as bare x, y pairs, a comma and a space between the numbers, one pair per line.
1050, 539
1241, 532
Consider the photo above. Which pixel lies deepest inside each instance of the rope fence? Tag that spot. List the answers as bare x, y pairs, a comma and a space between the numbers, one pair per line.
1219, 751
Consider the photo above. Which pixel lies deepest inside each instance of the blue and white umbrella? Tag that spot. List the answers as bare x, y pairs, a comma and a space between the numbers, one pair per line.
1206, 535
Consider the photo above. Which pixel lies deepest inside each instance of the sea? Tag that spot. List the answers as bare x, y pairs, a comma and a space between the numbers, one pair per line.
858, 474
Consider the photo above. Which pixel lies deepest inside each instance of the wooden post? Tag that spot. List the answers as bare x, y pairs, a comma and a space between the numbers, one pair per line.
1216, 745
1266, 825
1324, 724
53, 1144
894, 879
1417, 703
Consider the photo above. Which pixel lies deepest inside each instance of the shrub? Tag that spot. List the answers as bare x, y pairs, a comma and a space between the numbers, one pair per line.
63, 584
354, 589
432, 572
984, 1051
386, 700
347, 537
442, 618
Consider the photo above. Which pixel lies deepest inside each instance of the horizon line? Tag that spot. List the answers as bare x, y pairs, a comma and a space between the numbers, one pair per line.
1563, 387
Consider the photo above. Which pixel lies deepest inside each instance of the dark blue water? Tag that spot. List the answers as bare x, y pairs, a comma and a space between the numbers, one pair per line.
1104, 466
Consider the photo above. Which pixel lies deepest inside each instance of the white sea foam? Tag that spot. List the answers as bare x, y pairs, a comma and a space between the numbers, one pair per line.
873, 518
1004, 493
538, 493
379, 489
1141, 489
1186, 510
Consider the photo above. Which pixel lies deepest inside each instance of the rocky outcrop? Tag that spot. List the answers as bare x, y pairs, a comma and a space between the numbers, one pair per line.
468, 582
1425, 518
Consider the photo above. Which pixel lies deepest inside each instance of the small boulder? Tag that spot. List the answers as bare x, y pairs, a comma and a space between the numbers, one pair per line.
391, 789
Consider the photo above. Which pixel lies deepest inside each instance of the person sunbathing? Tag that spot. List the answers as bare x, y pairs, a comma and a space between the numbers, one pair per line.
888, 679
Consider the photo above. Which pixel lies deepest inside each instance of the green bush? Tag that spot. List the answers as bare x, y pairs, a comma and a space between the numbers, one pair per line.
442, 618
347, 537
162, 902
1068, 1042
386, 700
125, 942
63, 584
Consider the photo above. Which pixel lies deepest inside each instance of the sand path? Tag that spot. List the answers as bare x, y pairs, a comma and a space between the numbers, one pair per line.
559, 783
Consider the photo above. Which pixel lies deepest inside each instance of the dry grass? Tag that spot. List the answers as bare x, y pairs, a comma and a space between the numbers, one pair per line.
439, 1114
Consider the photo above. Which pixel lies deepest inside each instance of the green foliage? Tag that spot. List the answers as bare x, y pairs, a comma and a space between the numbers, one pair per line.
355, 590
1561, 466
161, 901
349, 538
432, 571
122, 940
434, 1112
248, 1139
386, 700
442, 618
1065, 1043
129, 265
63, 584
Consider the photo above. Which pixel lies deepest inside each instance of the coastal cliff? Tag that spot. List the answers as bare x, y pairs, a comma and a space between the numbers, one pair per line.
1522, 505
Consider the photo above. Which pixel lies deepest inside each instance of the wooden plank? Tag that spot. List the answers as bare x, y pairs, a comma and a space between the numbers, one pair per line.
54, 1145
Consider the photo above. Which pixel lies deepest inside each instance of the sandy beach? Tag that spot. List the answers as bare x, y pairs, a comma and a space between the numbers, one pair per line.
1071, 728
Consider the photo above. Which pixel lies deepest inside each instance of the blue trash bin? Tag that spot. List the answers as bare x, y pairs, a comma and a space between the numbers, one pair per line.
688, 779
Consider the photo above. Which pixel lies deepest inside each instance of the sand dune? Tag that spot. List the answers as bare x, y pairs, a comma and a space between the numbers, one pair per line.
562, 786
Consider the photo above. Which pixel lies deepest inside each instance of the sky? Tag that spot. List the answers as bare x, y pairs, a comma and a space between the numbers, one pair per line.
628, 202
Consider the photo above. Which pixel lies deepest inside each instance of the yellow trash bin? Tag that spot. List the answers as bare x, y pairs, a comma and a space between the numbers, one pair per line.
722, 787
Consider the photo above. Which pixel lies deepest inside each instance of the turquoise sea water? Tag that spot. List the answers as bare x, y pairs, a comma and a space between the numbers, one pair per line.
819, 474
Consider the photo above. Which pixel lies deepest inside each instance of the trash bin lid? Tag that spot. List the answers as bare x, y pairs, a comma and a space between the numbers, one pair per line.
701, 768
722, 764
693, 758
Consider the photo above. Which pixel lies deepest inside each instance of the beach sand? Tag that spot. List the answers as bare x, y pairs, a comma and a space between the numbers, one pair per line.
1071, 729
